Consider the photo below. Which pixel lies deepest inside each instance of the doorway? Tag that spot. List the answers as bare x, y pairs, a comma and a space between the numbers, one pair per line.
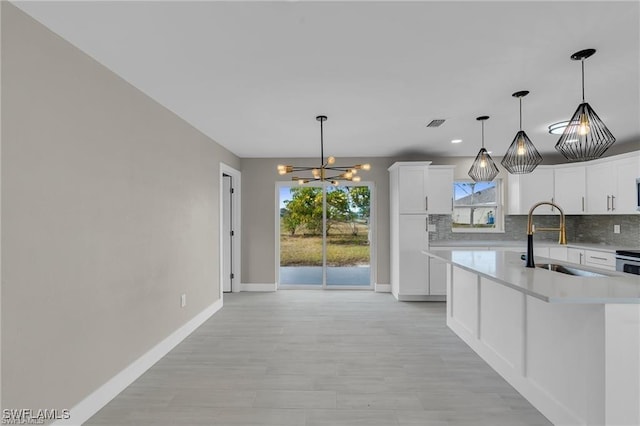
325, 236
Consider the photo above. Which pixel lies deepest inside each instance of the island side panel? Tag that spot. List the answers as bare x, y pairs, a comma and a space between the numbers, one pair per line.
553, 354
565, 360
622, 364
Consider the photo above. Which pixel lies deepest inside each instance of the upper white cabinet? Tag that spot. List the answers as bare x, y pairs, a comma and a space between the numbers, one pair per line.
413, 183
528, 189
603, 186
424, 189
440, 190
611, 185
569, 188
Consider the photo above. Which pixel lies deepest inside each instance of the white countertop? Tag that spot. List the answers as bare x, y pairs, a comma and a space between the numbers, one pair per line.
507, 268
523, 244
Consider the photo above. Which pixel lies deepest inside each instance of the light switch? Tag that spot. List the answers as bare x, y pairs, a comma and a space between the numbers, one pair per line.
183, 300
616, 229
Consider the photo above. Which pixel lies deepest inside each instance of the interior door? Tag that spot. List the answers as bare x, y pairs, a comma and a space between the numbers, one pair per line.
227, 233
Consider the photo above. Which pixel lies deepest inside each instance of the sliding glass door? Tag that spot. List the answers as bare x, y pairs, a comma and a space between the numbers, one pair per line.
324, 236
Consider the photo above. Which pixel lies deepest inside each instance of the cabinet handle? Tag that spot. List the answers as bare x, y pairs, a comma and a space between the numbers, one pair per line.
451, 204
426, 224
613, 207
426, 203
608, 198
581, 258
552, 202
582, 203
599, 258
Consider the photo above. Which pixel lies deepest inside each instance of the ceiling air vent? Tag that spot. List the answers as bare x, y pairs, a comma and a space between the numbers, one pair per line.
436, 123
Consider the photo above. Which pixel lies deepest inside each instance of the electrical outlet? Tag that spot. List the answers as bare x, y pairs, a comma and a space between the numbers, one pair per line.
183, 300
616, 229
432, 227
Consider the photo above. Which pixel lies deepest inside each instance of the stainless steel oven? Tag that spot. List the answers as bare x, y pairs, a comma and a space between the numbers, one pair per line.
628, 261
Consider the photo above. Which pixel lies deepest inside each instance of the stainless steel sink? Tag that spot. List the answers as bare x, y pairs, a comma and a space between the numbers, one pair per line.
568, 270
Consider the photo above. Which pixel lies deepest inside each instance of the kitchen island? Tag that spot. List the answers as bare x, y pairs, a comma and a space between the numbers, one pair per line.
569, 344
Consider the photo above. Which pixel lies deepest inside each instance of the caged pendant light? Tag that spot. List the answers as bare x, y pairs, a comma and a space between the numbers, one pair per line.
483, 168
327, 171
586, 137
522, 156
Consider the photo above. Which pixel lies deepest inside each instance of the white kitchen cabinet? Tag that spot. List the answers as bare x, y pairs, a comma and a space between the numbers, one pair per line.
437, 277
528, 189
575, 255
569, 188
422, 188
558, 253
600, 259
440, 190
416, 189
610, 185
602, 186
413, 265
413, 182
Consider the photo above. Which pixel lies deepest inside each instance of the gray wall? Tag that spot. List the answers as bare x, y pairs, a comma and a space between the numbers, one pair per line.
109, 213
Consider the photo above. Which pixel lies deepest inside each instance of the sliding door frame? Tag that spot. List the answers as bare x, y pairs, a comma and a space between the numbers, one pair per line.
372, 239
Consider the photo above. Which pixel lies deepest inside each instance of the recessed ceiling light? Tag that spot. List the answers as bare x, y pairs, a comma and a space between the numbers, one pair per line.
456, 140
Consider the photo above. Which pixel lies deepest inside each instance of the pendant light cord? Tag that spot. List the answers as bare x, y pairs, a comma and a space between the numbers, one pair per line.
483, 134
582, 62
520, 99
321, 144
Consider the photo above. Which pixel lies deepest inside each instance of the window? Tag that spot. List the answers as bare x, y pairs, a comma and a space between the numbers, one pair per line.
477, 206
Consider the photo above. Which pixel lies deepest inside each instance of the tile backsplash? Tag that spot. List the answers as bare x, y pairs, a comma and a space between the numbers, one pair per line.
597, 229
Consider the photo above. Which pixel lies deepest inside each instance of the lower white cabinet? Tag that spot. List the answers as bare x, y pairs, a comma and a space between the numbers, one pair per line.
600, 259
437, 277
575, 255
411, 278
558, 253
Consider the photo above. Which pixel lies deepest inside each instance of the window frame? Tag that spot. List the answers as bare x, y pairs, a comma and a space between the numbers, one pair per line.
499, 212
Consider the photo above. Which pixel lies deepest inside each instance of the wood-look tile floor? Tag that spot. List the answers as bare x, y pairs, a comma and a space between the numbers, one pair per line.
321, 358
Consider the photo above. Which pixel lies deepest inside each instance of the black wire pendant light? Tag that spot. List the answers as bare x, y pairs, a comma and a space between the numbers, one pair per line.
521, 157
585, 137
326, 172
483, 168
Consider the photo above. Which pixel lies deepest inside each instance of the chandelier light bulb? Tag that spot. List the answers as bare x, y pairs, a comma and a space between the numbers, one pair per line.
315, 173
356, 179
366, 166
331, 160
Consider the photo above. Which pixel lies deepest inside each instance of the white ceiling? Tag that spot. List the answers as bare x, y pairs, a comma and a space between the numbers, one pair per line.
253, 75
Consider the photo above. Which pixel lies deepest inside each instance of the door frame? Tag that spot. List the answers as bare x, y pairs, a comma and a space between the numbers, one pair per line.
236, 224
372, 242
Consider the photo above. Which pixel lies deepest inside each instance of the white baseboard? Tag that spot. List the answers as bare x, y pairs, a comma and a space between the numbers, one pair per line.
90, 405
383, 288
258, 287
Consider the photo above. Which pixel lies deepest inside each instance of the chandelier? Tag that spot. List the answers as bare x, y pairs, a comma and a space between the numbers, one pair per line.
327, 171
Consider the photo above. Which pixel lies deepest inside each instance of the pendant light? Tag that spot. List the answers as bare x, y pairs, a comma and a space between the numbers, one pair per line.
483, 168
521, 157
585, 137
